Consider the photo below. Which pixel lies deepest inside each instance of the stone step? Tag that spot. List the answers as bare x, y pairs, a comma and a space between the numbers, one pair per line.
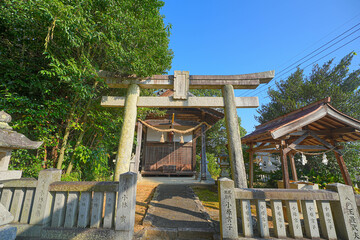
178, 233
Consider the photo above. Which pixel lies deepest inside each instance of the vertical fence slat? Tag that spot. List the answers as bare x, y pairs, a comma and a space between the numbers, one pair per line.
310, 221
16, 204
96, 212
71, 209
293, 215
109, 209
28, 203
326, 220
6, 197
247, 226
84, 210
58, 214
278, 218
263, 224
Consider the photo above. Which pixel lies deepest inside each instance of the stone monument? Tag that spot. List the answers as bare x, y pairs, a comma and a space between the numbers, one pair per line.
11, 140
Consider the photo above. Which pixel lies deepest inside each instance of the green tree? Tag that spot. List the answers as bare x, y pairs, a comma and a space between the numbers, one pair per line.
330, 80
50, 52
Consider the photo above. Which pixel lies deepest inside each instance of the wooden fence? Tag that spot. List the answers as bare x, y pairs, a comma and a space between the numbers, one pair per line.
283, 213
51, 209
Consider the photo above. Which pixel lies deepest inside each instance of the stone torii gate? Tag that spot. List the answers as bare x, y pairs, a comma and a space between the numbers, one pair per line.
181, 82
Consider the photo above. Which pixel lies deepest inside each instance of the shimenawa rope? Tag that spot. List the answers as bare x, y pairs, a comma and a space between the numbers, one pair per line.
173, 129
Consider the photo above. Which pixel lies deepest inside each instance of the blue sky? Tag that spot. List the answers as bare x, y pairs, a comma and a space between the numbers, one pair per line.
238, 37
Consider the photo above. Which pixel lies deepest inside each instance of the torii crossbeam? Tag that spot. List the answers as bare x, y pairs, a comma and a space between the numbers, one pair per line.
181, 82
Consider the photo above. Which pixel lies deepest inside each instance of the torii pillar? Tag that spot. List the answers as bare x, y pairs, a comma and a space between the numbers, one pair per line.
181, 82
127, 132
234, 141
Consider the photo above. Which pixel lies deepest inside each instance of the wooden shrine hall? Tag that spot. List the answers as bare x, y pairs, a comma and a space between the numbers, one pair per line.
318, 127
169, 143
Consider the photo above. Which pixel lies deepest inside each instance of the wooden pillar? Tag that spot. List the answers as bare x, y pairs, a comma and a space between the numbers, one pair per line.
127, 132
233, 135
284, 166
293, 167
251, 167
343, 169
203, 153
342, 165
138, 147
193, 156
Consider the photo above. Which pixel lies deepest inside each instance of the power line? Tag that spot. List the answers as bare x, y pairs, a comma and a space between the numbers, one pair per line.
320, 39
261, 90
332, 51
325, 45
261, 87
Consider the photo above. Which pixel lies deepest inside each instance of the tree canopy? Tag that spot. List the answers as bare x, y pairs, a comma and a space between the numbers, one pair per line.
50, 52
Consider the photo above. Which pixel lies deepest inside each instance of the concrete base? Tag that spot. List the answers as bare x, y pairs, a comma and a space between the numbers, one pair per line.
179, 233
7, 232
82, 234
9, 175
27, 231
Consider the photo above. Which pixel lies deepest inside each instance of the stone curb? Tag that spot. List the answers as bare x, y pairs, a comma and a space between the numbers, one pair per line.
178, 233
148, 220
202, 208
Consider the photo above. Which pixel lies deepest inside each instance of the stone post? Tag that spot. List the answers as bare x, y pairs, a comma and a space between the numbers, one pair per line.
40, 214
234, 141
125, 212
127, 131
345, 213
228, 220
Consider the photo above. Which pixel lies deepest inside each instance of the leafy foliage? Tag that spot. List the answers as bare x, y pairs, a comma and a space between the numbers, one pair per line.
50, 52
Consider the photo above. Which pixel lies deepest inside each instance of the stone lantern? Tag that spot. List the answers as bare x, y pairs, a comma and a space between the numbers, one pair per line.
224, 165
11, 140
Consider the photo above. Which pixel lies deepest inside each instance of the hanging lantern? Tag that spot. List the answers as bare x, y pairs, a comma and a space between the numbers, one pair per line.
303, 159
324, 159
162, 140
181, 139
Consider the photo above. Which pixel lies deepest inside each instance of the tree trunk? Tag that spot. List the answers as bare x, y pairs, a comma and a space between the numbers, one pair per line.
66, 136
80, 138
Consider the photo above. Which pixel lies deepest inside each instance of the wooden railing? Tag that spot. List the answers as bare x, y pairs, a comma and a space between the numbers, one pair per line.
282, 213
51, 209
